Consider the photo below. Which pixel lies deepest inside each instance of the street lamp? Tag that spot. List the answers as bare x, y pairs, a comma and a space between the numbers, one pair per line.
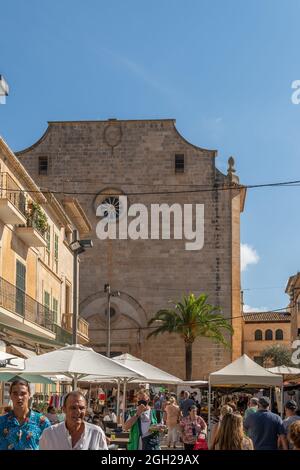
109, 295
77, 246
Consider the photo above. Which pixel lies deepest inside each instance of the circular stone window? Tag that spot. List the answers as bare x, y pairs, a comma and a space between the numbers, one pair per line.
107, 204
111, 207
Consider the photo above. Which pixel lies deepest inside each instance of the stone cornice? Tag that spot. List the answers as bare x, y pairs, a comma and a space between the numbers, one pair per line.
20, 172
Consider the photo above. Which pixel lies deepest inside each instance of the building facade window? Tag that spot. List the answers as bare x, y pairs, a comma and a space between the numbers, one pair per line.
268, 335
48, 247
47, 303
56, 253
55, 310
258, 335
179, 163
21, 288
43, 165
279, 335
68, 299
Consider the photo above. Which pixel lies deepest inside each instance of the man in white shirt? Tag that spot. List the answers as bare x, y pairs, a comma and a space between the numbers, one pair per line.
74, 433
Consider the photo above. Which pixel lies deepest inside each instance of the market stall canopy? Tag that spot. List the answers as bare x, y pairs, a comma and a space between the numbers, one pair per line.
151, 373
9, 361
35, 379
76, 362
284, 370
27, 353
199, 383
244, 371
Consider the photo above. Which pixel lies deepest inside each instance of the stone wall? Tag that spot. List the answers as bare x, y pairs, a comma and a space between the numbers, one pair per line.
136, 158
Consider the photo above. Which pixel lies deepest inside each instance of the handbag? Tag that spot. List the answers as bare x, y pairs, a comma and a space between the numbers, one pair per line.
201, 443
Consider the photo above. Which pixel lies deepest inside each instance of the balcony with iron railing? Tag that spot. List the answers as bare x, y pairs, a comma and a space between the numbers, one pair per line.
82, 327
12, 201
19, 310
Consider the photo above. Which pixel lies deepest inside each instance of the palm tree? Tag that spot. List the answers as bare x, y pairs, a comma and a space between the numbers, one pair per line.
192, 318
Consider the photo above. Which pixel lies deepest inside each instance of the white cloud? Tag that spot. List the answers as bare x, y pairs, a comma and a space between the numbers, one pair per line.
248, 256
248, 309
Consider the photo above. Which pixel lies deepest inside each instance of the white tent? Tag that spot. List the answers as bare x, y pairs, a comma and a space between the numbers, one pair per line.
76, 362
244, 372
151, 373
284, 370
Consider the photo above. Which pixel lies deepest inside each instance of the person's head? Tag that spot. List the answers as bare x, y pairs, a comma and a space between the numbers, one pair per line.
231, 433
7, 409
294, 434
74, 408
264, 403
96, 420
186, 395
172, 401
225, 409
20, 393
142, 397
253, 403
51, 410
290, 408
193, 411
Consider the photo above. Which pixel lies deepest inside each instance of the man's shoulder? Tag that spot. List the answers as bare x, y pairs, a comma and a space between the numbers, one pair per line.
55, 428
94, 428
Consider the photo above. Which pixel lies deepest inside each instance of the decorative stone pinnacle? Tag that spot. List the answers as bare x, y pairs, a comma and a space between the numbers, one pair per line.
230, 169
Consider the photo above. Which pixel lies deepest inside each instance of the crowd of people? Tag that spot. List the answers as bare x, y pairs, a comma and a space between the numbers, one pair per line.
252, 427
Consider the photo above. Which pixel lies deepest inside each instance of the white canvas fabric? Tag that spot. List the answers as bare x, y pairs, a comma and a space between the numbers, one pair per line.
150, 372
76, 361
244, 371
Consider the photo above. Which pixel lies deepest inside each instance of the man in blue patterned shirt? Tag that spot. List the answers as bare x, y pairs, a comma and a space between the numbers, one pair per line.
21, 428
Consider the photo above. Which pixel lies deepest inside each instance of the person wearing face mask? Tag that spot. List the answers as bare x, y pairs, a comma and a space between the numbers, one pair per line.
74, 433
21, 428
139, 423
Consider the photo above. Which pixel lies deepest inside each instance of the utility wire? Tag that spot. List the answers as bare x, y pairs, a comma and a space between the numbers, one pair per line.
226, 318
187, 191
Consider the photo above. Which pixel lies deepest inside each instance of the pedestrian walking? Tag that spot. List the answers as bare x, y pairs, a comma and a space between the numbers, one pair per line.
74, 433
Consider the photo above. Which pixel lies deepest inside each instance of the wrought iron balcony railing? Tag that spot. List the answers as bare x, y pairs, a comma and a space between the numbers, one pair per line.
16, 301
10, 190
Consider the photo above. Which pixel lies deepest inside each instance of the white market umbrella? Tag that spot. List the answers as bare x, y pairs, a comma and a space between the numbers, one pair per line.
75, 361
9, 361
151, 373
284, 370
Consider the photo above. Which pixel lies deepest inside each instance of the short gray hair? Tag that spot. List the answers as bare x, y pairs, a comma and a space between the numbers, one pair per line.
74, 393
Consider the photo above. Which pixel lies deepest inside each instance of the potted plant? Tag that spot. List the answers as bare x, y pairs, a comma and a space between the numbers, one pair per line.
37, 218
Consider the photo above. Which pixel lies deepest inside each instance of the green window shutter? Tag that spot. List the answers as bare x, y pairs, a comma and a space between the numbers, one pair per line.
47, 308
20, 288
55, 310
56, 247
48, 239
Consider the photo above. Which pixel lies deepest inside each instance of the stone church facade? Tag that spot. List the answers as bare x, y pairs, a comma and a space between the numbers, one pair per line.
151, 163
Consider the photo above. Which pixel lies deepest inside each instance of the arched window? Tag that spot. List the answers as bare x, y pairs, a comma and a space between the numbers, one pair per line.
258, 335
279, 335
268, 335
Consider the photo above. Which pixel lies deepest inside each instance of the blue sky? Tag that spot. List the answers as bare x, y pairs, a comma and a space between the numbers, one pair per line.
223, 69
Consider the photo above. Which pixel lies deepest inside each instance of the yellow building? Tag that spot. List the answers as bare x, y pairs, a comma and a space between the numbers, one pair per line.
264, 329
293, 290
36, 262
